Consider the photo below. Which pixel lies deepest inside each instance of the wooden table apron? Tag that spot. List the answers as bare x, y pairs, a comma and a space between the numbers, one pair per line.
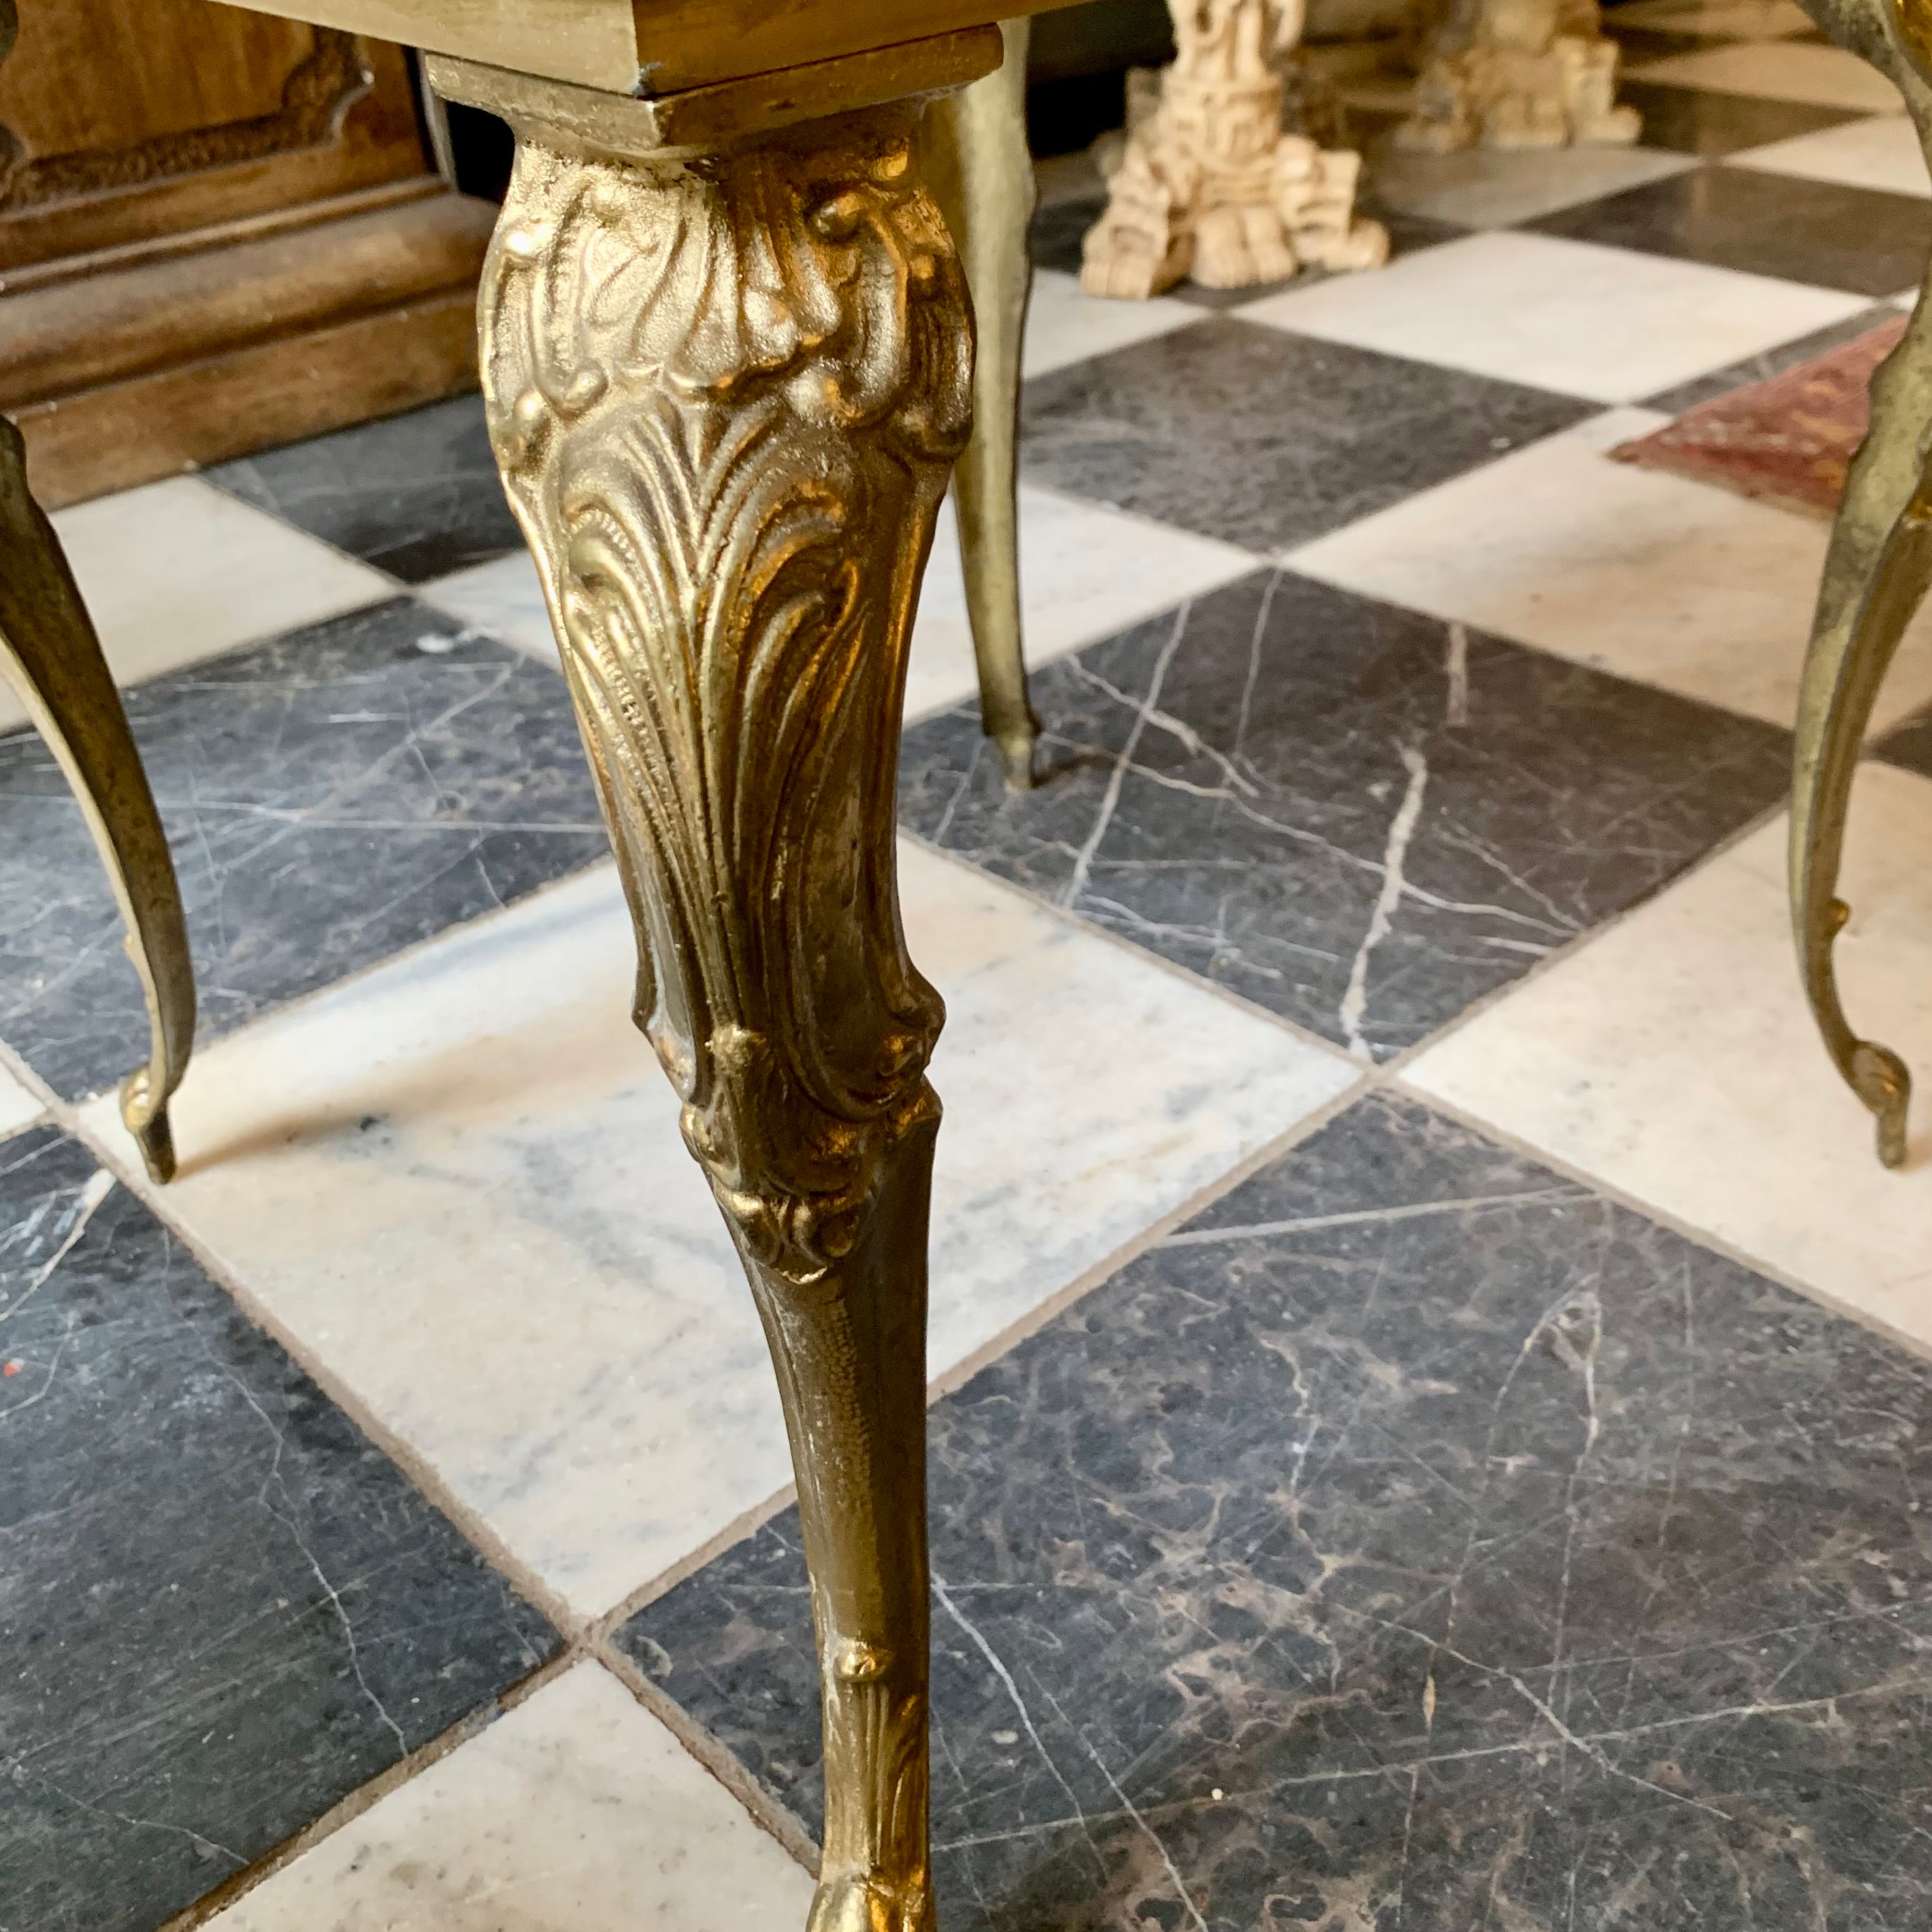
726, 356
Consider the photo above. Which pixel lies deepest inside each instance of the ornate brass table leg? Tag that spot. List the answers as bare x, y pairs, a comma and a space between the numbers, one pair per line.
982, 175
50, 656
725, 387
1876, 573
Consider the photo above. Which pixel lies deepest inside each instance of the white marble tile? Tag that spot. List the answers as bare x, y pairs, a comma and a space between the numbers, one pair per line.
178, 571
1086, 571
1065, 326
1882, 152
18, 1108
1779, 70
1723, 19
1673, 1058
503, 597
1611, 324
1652, 577
1482, 188
577, 1812
458, 1182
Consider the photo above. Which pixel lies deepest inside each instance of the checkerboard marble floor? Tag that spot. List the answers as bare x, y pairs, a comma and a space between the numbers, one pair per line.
1432, 1424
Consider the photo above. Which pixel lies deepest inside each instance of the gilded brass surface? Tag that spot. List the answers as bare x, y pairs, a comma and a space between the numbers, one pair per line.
1876, 572
50, 656
725, 392
982, 175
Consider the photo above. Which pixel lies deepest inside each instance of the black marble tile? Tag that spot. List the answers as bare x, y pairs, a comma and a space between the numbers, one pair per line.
1414, 1542
1909, 743
221, 1608
1821, 233
1700, 121
1228, 785
331, 796
415, 495
1638, 44
1059, 229
1266, 439
1770, 362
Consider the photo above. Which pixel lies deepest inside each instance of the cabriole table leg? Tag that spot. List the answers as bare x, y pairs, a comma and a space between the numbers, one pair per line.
725, 388
983, 175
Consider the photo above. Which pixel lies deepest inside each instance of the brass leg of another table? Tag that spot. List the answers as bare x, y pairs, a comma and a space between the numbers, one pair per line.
1876, 573
982, 175
49, 654
725, 392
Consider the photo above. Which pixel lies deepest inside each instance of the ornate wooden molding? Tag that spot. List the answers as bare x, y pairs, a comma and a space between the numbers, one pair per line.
320, 89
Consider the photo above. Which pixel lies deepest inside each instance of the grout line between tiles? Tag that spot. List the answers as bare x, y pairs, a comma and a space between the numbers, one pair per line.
1917, 1347
364, 1797
714, 1756
403, 1453
1092, 929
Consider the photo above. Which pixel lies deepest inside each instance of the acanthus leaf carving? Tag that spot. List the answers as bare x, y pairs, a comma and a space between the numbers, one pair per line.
725, 394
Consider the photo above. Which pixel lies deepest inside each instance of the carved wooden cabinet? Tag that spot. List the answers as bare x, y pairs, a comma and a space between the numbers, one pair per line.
218, 230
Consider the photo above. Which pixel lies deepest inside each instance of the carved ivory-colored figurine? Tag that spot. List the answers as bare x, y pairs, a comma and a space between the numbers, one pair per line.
1209, 186
1517, 73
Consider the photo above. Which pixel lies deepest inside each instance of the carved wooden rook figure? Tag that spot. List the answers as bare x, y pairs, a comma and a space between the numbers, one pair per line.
1209, 186
1518, 74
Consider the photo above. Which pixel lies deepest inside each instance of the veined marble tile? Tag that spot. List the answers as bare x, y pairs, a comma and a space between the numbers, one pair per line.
1652, 577
1781, 70
1263, 438
1882, 152
222, 1609
1064, 324
18, 1108
1085, 571
503, 597
1413, 1540
1674, 1057
1359, 818
1780, 229
577, 1812
1483, 188
459, 1180
1610, 324
331, 795
1694, 121
176, 572
416, 494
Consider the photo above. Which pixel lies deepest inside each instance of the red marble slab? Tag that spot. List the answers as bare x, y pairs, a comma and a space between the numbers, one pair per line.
1786, 440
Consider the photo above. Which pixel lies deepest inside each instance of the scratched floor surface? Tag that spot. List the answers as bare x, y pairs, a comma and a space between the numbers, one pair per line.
1432, 1426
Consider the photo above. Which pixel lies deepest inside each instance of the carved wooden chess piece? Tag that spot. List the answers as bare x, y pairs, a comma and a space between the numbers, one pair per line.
1209, 186
1517, 74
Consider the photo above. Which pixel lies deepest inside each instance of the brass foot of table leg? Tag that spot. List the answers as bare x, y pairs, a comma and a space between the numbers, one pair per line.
725, 392
982, 175
1876, 573
49, 654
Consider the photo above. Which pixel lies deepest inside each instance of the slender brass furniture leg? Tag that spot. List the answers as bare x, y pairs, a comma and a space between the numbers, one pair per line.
50, 656
982, 175
1876, 573
725, 387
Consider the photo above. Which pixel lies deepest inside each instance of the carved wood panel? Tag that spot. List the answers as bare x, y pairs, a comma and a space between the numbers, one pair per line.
122, 120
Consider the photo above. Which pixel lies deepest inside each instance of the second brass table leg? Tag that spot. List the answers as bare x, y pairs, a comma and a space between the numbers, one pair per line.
982, 176
49, 654
1876, 573
725, 389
